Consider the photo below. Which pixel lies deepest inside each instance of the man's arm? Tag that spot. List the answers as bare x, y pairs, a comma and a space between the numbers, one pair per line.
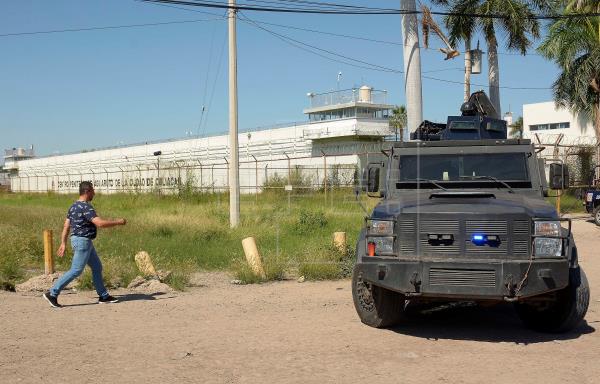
63, 238
105, 223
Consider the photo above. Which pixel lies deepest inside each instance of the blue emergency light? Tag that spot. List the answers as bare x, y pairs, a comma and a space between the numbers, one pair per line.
479, 239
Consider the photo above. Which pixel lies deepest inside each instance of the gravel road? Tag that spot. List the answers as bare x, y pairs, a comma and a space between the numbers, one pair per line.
285, 332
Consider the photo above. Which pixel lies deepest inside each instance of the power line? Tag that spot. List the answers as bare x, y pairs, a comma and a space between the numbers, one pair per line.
396, 43
214, 86
481, 85
297, 43
220, 17
342, 9
107, 27
375, 67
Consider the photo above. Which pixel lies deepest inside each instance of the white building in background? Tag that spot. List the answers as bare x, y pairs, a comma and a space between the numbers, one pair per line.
342, 126
546, 122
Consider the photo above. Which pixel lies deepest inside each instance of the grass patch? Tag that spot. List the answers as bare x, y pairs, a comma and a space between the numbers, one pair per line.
568, 203
178, 280
327, 263
275, 268
183, 234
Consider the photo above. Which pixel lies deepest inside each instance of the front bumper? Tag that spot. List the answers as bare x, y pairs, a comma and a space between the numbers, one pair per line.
461, 279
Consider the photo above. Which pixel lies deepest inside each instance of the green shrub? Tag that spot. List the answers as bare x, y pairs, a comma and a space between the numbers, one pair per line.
310, 221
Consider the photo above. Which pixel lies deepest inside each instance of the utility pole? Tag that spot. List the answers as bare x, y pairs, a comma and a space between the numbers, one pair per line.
412, 66
234, 172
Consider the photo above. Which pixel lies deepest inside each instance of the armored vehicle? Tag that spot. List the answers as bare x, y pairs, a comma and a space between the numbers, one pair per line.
463, 218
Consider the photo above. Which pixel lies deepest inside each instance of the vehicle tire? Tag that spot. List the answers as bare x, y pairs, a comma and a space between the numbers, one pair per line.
597, 215
376, 307
565, 312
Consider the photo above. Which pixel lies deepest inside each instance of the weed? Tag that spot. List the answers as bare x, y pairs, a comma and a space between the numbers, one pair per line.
85, 282
178, 280
310, 221
163, 231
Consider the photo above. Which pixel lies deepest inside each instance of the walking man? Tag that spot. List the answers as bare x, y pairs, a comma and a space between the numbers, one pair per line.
82, 222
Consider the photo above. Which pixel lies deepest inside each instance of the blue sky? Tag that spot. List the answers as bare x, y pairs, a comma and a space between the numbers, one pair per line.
70, 91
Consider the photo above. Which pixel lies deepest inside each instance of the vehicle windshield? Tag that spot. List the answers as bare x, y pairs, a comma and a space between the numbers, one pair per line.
462, 170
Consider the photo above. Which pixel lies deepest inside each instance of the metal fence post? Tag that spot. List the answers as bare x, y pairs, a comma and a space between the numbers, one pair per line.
256, 177
325, 174
227, 184
201, 183
212, 177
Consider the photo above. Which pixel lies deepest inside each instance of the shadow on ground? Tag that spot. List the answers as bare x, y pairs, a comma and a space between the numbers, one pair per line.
142, 296
497, 324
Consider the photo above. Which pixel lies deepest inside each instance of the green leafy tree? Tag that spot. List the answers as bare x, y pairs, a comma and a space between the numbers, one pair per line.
518, 25
574, 45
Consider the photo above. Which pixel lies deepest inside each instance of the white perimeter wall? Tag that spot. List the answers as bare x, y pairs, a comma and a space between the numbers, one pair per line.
203, 161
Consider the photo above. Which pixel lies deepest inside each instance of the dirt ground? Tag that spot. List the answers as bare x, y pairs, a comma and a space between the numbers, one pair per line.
285, 332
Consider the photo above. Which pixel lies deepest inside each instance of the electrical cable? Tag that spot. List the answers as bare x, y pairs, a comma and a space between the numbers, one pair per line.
298, 43
219, 17
481, 85
105, 27
210, 56
347, 10
374, 67
212, 93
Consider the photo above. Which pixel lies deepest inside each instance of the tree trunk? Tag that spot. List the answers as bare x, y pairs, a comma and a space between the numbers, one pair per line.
412, 66
494, 75
597, 131
468, 65
597, 119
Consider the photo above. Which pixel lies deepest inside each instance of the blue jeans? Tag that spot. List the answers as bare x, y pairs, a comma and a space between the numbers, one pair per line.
83, 253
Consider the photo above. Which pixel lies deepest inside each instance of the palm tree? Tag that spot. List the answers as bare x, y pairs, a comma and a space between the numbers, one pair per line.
412, 65
574, 44
516, 129
518, 24
398, 121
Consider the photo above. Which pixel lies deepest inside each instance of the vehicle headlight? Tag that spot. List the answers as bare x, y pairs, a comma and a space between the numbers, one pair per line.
380, 246
547, 228
380, 227
547, 247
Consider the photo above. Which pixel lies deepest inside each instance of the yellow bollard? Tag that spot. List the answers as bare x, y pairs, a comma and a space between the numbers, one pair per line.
48, 252
253, 257
144, 264
339, 242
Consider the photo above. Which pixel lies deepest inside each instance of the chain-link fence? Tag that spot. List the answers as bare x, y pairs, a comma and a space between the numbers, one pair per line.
298, 176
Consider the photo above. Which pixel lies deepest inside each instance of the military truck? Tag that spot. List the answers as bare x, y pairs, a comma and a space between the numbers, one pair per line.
462, 217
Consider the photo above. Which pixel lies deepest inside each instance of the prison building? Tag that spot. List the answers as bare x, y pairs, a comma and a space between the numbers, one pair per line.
342, 127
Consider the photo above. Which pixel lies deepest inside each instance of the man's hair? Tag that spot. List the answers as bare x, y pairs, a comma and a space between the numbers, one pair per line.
84, 187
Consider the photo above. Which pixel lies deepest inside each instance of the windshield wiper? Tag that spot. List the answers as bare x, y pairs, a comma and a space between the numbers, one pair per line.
483, 177
419, 180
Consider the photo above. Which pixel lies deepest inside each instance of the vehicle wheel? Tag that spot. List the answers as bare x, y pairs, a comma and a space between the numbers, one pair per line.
597, 215
562, 314
377, 307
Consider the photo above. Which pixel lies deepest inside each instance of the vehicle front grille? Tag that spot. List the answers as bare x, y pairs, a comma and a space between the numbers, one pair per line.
514, 235
462, 277
407, 237
497, 227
